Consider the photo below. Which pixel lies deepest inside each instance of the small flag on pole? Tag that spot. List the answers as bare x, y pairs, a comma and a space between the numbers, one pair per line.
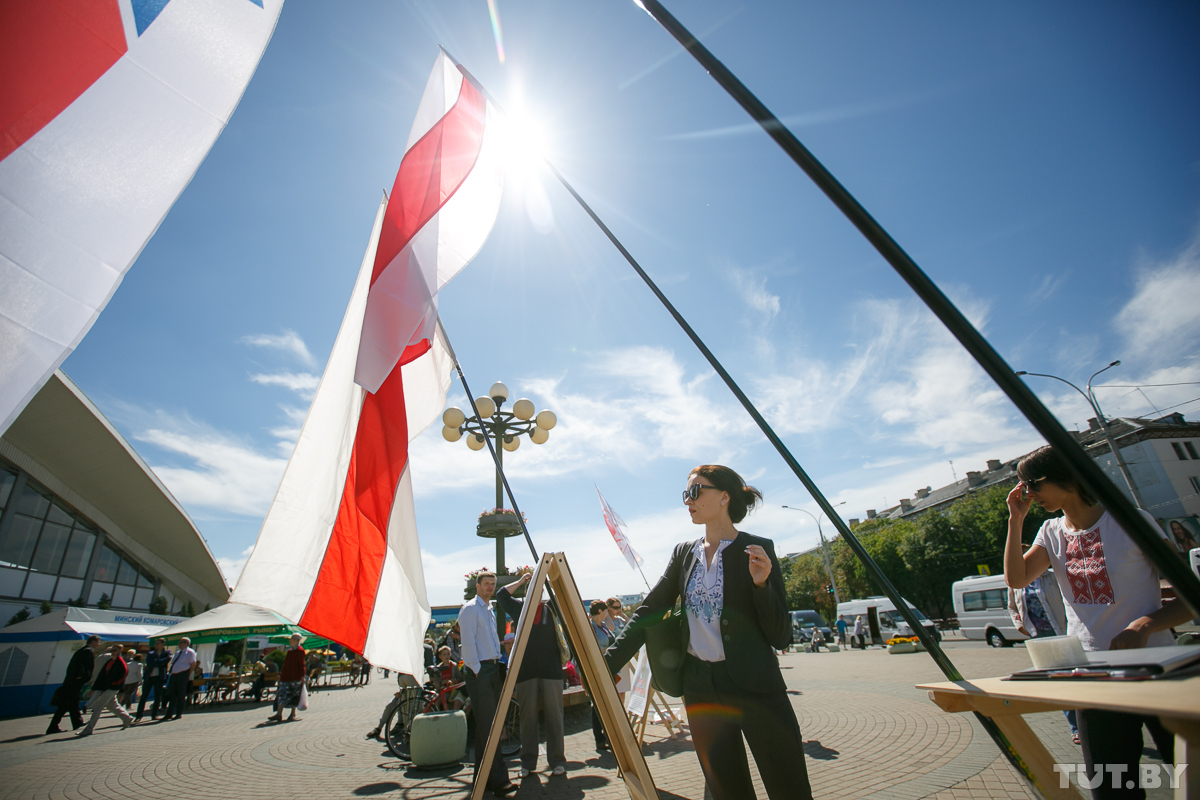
338, 551
616, 526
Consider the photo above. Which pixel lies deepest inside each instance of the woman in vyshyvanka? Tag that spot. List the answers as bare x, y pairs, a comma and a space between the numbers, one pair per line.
736, 618
1112, 596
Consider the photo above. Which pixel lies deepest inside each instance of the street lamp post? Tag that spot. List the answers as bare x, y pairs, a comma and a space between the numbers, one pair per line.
505, 428
1090, 396
824, 549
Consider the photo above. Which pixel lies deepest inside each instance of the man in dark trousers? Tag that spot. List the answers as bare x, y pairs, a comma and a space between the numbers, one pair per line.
79, 672
540, 678
158, 661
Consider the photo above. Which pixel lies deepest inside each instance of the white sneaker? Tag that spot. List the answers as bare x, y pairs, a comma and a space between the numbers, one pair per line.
559, 770
524, 772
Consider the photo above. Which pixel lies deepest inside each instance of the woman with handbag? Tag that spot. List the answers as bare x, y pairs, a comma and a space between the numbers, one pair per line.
735, 616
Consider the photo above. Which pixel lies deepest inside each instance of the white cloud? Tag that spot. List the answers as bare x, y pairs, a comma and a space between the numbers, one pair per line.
226, 474
1162, 319
753, 292
288, 342
232, 566
302, 383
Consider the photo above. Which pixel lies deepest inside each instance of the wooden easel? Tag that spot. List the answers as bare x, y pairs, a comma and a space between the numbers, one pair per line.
669, 720
553, 570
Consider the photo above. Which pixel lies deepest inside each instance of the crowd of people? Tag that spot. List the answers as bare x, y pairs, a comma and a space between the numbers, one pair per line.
115, 677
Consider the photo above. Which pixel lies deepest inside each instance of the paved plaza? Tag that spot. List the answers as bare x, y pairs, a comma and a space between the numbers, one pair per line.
868, 734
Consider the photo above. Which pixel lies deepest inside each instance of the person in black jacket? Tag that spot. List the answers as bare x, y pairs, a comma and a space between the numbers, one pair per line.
107, 685
79, 672
736, 617
541, 677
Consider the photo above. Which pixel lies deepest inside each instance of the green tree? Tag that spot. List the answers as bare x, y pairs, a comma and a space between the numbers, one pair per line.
46, 607
20, 616
105, 602
158, 605
188, 610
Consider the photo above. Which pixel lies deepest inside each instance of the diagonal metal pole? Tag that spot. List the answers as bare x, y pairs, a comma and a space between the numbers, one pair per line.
931, 645
488, 440
1147, 535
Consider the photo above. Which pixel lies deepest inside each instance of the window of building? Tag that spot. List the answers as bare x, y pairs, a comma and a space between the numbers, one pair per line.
1191, 448
1195, 483
12, 666
7, 479
1179, 451
46, 549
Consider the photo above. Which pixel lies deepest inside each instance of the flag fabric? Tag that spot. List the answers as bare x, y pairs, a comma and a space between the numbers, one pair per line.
616, 527
107, 108
338, 551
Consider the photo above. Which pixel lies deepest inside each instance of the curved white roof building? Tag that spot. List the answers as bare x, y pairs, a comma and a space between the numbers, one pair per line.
82, 515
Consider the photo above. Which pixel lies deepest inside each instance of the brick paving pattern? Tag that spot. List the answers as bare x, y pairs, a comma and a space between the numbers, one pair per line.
868, 734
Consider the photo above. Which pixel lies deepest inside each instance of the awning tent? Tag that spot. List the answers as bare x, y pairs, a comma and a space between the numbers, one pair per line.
229, 622
34, 653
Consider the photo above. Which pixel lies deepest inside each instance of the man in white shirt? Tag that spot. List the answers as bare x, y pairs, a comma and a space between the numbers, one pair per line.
179, 677
481, 656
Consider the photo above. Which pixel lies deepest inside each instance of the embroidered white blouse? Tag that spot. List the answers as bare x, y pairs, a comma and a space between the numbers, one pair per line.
704, 601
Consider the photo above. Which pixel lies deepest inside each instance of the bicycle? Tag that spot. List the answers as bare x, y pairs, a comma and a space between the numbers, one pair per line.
424, 700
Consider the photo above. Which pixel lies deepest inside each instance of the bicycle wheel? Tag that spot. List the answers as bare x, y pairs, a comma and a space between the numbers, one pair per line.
398, 729
510, 734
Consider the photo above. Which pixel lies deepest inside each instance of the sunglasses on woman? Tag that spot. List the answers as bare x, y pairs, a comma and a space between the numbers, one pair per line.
1034, 484
693, 491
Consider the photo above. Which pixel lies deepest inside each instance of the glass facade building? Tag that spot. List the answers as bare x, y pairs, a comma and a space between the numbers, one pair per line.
48, 551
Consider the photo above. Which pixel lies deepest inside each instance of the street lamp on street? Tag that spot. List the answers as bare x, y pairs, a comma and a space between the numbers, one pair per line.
824, 549
505, 428
1090, 396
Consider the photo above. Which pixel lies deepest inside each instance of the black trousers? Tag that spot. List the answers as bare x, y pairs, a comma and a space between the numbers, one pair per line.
721, 712
69, 705
485, 696
151, 685
1111, 738
177, 688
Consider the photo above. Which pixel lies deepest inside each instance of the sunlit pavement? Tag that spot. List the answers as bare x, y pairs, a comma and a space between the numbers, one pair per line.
868, 734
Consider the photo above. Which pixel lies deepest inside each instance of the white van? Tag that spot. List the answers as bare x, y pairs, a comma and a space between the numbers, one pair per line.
890, 622
981, 603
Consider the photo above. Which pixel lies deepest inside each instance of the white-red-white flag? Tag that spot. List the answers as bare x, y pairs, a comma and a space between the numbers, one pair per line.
107, 108
338, 551
616, 527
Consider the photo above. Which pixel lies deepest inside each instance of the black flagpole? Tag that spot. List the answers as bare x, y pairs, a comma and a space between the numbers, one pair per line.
488, 441
931, 645
1147, 535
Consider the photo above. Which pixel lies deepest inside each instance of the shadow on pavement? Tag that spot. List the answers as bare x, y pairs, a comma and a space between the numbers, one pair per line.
814, 749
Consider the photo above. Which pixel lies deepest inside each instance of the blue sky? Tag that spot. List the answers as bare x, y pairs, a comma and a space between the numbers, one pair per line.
1041, 163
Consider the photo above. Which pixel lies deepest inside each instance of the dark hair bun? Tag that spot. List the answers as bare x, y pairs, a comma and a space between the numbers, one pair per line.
742, 498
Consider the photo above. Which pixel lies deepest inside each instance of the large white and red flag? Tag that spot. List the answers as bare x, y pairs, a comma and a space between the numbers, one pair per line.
107, 108
338, 551
616, 527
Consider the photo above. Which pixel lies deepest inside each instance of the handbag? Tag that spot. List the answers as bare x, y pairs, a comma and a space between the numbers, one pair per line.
664, 649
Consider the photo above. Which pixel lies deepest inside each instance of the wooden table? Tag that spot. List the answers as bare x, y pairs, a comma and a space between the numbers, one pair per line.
1175, 701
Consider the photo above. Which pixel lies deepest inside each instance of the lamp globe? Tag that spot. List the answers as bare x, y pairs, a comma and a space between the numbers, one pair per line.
523, 408
451, 434
453, 418
546, 420
475, 441
539, 435
512, 443
498, 391
486, 406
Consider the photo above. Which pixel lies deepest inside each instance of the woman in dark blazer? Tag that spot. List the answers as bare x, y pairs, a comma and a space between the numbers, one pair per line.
736, 617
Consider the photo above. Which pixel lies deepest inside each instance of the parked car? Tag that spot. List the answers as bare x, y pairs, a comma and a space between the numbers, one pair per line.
805, 622
981, 603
